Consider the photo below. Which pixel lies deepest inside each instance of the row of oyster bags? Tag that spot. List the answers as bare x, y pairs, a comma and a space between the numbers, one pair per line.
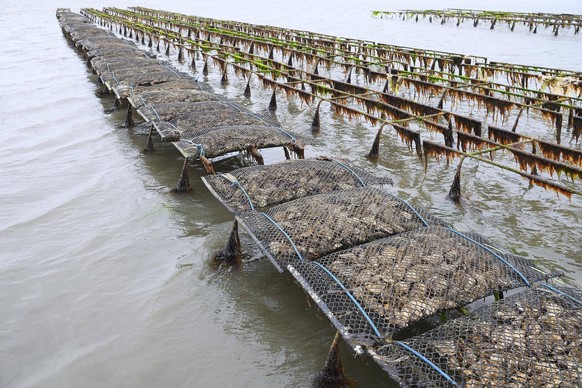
531, 339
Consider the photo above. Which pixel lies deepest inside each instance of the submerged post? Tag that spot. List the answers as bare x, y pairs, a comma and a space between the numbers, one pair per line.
375, 151
232, 252
149, 143
455, 191
247, 92
129, 117
316, 123
273, 103
184, 182
332, 374
256, 154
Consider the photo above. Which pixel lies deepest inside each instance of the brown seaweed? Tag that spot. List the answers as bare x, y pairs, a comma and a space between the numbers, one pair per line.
503, 136
554, 151
437, 150
527, 159
409, 136
467, 124
548, 184
475, 142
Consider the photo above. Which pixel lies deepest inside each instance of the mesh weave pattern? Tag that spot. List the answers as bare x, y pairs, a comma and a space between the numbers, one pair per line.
325, 223
531, 339
221, 140
172, 110
262, 186
403, 279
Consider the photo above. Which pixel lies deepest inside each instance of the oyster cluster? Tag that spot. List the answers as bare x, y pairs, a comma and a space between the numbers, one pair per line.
283, 182
414, 275
533, 342
220, 140
325, 223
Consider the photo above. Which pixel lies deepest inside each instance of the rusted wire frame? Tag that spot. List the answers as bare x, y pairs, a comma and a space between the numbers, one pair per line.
323, 38
546, 19
414, 53
508, 103
368, 69
371, 118
429, 146
374, 119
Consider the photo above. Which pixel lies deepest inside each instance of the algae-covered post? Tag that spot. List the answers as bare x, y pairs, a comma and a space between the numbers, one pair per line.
333, 375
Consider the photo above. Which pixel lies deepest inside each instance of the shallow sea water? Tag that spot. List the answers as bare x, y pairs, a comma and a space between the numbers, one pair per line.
92, 292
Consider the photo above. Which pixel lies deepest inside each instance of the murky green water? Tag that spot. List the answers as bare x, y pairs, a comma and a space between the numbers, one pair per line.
91, 293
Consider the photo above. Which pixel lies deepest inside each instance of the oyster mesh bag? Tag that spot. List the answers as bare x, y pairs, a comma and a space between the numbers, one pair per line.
164, 96
532, 339
311, 227
172, 110
216, 141
388, 285
261, 186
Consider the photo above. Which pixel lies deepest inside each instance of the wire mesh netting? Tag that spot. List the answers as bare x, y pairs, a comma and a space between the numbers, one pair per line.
387, 285
172, 110
164, 96
197, 123
425, 90
215, 141
261, 186
311, 227
532, 339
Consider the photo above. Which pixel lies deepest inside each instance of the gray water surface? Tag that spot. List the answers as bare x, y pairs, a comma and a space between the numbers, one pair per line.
91, 239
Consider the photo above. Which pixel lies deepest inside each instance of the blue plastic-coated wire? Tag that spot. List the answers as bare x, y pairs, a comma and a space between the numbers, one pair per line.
286, 133
237, 184
507, 263
197, 145
427, 361
352, 171
411, 208
155, 112
111, 71
358, 305
563, 294
285, 234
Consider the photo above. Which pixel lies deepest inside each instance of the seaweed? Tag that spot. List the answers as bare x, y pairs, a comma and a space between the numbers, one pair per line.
528, 159
464, 139
549, 185
556, 152
437, 150
446, 131
467, 124
409, 136
503, 136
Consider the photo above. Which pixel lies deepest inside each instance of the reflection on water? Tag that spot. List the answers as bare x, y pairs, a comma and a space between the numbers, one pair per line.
90, 292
